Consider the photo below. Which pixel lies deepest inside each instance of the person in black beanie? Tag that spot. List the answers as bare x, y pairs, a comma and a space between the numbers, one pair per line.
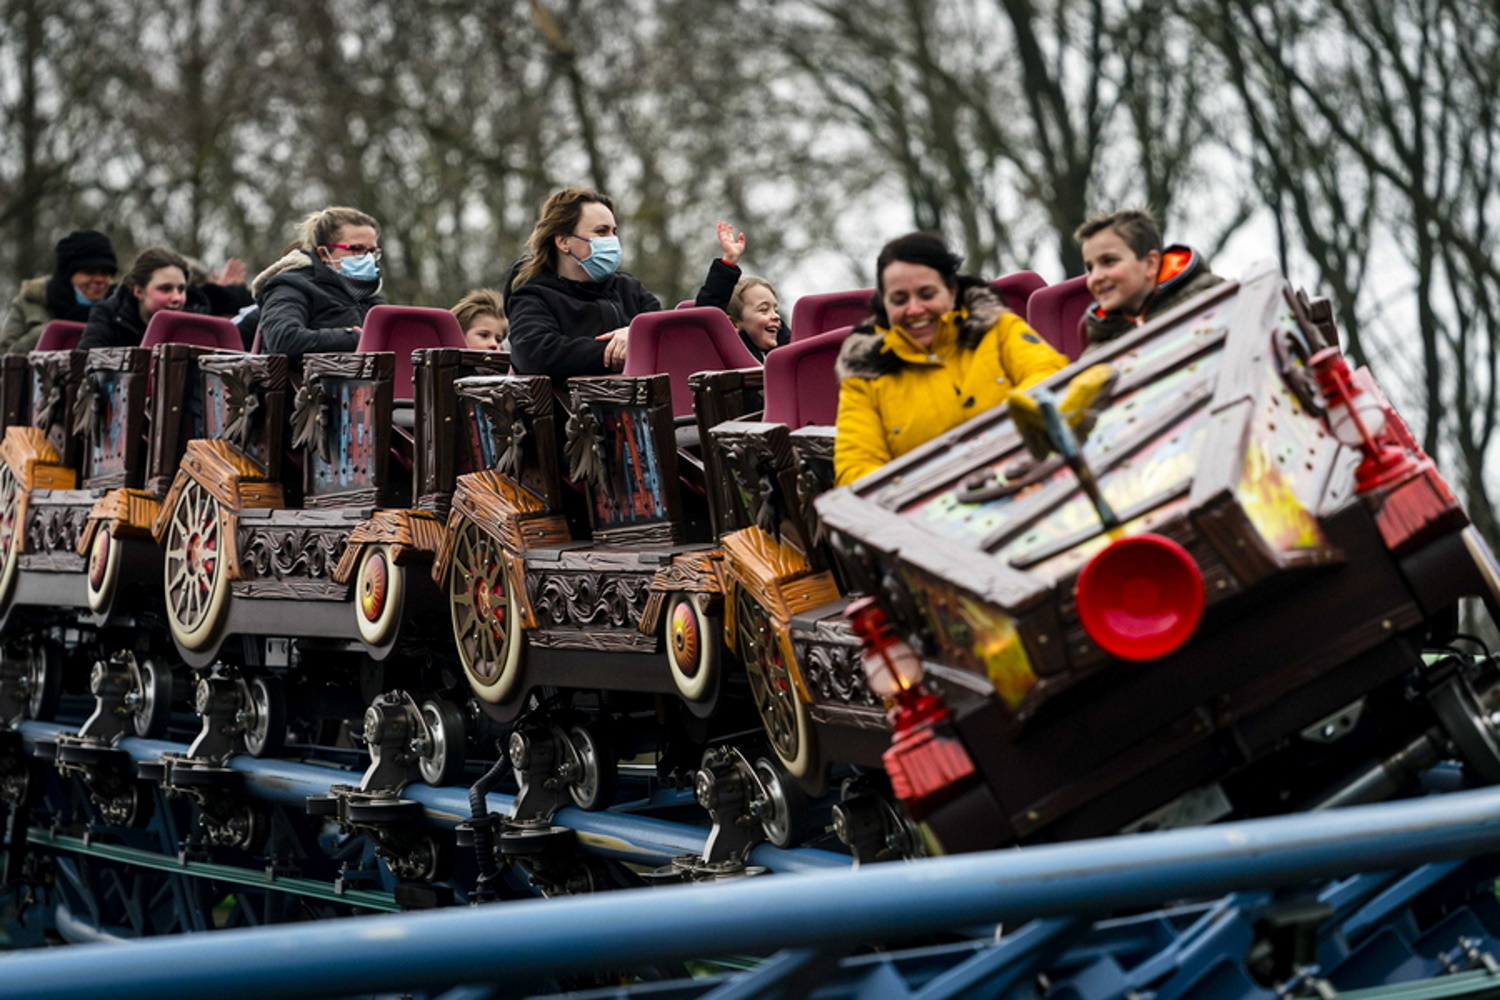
86, 267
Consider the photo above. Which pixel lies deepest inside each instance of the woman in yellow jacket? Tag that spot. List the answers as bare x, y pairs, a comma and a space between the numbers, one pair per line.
943, 349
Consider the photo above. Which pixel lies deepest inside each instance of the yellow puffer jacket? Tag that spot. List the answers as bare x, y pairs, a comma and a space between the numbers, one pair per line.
895, 395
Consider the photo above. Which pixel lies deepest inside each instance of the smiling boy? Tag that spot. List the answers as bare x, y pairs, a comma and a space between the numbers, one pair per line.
1131, 275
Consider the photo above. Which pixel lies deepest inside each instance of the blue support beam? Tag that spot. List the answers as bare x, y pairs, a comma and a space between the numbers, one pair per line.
826, 911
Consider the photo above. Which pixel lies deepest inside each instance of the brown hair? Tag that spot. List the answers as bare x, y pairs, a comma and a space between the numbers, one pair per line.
321, 227
1136, 226
737, 298
151, 260
558, 217
926, 249
479, 302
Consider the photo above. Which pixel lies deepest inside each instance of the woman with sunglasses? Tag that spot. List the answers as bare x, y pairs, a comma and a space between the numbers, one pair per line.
315, 297
569, 306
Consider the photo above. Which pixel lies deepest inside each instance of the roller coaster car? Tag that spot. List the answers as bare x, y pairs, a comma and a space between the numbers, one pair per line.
76, 505
345, 569
537, 595
1064, 685
784, 607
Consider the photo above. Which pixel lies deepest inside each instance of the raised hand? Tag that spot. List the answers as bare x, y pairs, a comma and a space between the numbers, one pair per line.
733, 245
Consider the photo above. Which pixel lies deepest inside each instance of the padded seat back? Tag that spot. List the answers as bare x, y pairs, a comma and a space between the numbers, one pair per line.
815, 314
679, 342
1056, 312
801, 387
403, 329
1016, 289
60, 335
171, 327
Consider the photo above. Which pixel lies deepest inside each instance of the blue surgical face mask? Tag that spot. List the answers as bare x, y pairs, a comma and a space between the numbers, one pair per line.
82, 299
361, 267
603, 259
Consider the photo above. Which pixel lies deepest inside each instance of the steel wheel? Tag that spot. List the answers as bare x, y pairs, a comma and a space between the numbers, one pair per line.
442, 763
782, 713
485, 627
379, 594
195, 577
599, 771
153, 692
11, 530
692, 650
44, 681
784, 818
265, 727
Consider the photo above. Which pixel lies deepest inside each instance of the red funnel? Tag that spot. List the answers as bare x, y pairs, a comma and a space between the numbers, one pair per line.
1141, 598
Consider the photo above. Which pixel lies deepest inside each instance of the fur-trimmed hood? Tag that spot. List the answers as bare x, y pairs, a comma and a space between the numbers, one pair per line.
34, 290
871, 351
293, 260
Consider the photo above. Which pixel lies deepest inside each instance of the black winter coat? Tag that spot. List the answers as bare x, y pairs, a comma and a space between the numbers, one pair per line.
307, 307
718, 289
554, 320
115, 320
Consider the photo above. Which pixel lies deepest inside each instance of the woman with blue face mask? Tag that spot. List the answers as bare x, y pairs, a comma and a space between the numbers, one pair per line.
569, 305
316, 296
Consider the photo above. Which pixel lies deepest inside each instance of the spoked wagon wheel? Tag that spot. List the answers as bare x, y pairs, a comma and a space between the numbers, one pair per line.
782, 713
10, 532
195, 577
692, 653
486, 628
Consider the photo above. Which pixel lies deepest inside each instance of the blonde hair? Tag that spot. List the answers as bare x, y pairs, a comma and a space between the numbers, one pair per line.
559, 217
737, 297
478, 302
321, 227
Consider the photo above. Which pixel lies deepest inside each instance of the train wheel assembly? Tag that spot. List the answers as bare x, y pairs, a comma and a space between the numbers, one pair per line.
692, 653
150, 699
265, 716
486, 628
442, 758
597, 773
195, 576
42, 679
379, 595
782, 713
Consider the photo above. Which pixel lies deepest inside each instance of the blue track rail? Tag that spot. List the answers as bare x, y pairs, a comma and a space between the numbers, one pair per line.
813, 920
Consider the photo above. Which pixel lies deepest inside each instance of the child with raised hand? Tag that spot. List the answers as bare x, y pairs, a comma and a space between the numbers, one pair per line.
1131, 275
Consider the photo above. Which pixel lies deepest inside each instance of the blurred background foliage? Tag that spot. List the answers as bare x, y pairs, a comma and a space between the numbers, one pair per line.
1352, 142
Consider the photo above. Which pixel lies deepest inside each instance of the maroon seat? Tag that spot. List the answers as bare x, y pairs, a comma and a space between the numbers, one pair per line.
1016, 289
404, 329
60, 335
801, 387
1056, 312
172, 327
679, 342
687, 304
815, 314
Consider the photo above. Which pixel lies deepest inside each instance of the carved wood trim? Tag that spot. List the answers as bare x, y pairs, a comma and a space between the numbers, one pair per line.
689, 572
777, 576
34, 460
124, 513
412, 534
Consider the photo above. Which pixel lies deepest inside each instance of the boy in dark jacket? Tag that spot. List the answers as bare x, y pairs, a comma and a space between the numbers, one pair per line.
1131, 275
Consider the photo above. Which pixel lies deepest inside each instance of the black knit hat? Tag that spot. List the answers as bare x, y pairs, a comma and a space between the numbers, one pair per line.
85, 249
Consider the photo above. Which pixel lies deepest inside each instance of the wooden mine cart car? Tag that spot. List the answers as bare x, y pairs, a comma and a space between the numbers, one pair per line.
1235, 627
